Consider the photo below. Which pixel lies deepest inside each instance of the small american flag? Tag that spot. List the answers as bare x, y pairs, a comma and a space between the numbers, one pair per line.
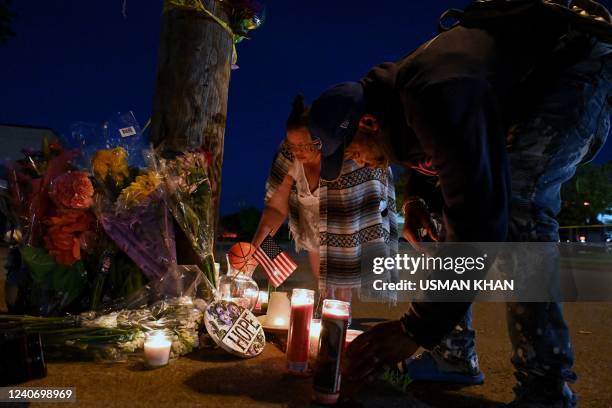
277, 264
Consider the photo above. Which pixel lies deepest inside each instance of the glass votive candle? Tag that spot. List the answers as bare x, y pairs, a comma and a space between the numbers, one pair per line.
157, 348
279, 310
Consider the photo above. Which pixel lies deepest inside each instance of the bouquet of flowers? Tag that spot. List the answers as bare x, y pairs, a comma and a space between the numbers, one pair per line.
118, 330
94, 221
113, 336
188, 194
133, 213
128, 204
52, 200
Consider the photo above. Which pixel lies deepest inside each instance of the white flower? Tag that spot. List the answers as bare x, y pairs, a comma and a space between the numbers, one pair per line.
107, 321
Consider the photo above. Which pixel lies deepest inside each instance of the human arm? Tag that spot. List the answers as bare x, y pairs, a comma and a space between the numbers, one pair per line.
457, 126
275, 211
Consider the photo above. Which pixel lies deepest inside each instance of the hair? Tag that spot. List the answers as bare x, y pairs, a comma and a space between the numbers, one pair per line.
298, 118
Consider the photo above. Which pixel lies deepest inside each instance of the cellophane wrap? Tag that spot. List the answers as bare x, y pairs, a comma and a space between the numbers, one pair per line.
188, 194
118, 330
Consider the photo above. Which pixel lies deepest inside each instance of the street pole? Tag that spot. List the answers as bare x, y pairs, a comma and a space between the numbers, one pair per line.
190, 102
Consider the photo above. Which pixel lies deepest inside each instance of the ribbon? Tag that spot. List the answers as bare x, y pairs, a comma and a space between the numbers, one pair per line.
198, 6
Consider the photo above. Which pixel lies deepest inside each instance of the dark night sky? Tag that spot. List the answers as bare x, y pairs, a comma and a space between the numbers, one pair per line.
75, 60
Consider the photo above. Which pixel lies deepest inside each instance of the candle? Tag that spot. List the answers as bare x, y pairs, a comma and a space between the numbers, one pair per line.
157, 349
350, 336
334, 325
315, 332
279, 310
262, 302
298, 339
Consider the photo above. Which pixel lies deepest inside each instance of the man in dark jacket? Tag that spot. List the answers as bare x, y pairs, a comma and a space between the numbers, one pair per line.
448, 110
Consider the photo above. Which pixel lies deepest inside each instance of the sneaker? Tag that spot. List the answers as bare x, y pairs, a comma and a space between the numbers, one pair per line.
425, 367
523, 400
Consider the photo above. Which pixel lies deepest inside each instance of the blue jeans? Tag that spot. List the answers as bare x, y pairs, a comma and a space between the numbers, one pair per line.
569, 128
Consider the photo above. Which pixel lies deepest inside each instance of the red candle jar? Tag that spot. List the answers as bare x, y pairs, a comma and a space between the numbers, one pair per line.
298, 339
334, 325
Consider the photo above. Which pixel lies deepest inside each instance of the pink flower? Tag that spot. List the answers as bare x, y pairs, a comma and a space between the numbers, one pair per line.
72, 190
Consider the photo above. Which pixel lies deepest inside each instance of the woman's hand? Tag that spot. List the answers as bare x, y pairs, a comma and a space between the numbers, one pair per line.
383, 345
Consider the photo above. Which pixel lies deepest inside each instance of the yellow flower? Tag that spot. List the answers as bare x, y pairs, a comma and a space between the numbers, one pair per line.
135, 193
111, 162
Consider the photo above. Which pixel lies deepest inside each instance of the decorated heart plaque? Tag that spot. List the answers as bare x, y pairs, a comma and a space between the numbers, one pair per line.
234, 328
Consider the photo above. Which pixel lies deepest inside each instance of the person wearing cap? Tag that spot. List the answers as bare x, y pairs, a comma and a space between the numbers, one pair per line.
338, 242
500, 111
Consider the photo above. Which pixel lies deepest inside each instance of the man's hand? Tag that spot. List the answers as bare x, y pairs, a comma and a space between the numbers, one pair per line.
416, 219
383, 345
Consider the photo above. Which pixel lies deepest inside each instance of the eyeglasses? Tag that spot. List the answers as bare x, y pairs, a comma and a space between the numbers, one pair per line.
313, 146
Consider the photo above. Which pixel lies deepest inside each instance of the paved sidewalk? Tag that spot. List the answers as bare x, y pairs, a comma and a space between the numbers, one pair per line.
212, 378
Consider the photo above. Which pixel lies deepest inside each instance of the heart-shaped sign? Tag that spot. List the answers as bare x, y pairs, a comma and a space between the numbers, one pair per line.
234, 328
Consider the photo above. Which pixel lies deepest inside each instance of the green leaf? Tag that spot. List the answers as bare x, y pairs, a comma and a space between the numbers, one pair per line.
40, 264
69, 280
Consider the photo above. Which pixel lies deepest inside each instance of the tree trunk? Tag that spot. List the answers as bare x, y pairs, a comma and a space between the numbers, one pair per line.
190, 102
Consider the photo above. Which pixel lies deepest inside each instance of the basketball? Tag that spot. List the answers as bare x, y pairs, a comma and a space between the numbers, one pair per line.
240, 257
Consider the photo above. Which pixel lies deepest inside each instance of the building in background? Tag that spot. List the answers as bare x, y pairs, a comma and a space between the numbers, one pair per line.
14, 138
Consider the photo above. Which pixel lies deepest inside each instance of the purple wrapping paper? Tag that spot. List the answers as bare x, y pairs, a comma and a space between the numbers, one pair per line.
145, 233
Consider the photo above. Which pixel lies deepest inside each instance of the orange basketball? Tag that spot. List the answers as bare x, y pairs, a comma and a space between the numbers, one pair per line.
240, 257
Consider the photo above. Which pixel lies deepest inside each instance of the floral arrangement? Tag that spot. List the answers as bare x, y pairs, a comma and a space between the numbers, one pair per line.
52, 201
97, 226
90, 233
188, 194
111, 163
112, 336
132, 212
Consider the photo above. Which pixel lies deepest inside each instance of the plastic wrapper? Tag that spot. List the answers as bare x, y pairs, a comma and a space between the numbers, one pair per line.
118, 330
50, 201
93, 219
188, 194
121, 129
144, 232
129, 202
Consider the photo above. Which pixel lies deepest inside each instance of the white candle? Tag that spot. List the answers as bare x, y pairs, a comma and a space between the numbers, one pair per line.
315, 333
279, 310
262, 301
157, 349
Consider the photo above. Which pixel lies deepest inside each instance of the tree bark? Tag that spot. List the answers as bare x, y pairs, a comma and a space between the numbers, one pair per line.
190, 102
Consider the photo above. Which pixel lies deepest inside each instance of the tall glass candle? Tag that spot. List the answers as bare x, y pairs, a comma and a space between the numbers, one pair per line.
334, 325
298, 339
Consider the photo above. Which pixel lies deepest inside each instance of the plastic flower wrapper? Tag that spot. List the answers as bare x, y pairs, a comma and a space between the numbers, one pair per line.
189, 195
51, 202
141, 226
133, 213
29, 185
118, 330
121, 130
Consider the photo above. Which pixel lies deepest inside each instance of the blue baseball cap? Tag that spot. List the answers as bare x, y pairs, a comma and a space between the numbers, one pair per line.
334, 118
